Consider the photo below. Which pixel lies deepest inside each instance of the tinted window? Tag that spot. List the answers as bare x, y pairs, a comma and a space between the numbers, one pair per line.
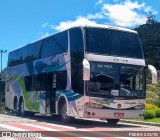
25, 54
55, 44
32, 51
76, 40
28, 83
77, 78
36, 82
113, 42
61, 80
77, 55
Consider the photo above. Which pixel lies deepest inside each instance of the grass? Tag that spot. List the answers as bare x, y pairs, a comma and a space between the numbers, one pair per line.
155, 120
2, 109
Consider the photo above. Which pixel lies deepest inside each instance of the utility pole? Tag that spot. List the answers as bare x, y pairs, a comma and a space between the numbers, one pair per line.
2, 85
2, 51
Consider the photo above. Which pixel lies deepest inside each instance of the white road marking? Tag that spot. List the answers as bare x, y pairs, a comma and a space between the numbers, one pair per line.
66, 133
100, 133
20, 129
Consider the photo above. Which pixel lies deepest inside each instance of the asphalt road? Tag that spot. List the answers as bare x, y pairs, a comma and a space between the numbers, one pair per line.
51, 127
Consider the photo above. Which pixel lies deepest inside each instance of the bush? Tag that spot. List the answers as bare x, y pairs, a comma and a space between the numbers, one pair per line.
152, 88
153, 95
157, 113
151, 107
149, 114
150, 100
158, 103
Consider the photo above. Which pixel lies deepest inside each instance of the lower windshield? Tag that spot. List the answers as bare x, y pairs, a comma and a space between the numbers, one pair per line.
118, 80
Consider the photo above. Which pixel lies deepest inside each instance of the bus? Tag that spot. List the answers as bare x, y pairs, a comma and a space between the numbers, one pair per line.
96, 72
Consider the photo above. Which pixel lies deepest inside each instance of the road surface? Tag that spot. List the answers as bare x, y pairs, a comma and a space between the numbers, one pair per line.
48, 127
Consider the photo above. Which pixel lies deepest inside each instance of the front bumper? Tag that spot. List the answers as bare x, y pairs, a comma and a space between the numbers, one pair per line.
112, 113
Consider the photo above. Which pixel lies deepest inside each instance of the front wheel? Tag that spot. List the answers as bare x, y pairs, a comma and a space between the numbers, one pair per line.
112, 121
63, 113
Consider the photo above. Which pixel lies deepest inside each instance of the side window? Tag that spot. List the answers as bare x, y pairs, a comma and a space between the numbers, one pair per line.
61, 80
77, 55
77, 79
36, 82
39, 82
76, 40
28, 53
55, 44
31, 52
28, 83
14, 58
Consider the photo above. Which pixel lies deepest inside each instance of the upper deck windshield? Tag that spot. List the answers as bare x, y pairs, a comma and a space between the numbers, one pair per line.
113, 42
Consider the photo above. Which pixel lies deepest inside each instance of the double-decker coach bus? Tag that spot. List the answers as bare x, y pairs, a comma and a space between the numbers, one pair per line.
86, 72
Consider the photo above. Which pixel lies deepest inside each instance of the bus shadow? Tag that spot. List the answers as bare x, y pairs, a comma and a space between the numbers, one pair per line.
81, 123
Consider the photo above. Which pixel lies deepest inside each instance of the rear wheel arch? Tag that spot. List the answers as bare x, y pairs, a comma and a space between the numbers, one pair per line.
15, 103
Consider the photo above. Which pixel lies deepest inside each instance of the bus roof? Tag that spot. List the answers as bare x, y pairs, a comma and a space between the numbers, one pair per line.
83, 26
104, 27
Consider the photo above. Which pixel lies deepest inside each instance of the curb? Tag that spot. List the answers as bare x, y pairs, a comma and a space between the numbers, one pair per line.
139, 122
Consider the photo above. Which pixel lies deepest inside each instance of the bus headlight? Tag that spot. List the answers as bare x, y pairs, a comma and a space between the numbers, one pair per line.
138, 107
94, 105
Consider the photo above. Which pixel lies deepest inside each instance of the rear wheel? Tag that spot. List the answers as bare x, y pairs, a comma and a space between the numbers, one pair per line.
113, 121
63, 113
16, 107
22, 112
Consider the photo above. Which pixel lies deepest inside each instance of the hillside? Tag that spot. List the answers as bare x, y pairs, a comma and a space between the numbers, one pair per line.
150, 38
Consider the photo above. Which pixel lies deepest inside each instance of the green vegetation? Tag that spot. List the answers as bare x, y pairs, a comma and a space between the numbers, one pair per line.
155, 120
149, 114
151, 107
157, 113
2, 109
150, 37
158, 103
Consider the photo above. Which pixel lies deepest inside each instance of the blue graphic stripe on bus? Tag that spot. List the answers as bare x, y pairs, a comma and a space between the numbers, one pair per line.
43, 95
104, 101
43, 67
71, 96
39, 66
73, 104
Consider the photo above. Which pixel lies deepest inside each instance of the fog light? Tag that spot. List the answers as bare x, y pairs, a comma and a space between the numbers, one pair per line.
119, 105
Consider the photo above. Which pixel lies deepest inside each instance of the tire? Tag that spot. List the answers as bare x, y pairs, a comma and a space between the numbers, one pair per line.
112, 121
30, 114
16, 109
63, 113
22, 112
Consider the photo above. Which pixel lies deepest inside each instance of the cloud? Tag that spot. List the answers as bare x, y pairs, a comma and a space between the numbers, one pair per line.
133, 5
45, 24
80, 21
99, 2
125, 14
43, 35
95, 16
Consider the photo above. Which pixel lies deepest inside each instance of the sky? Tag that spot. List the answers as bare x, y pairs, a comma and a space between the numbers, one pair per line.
25, 21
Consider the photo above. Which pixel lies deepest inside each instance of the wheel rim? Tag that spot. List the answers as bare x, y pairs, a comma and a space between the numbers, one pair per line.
64, 111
